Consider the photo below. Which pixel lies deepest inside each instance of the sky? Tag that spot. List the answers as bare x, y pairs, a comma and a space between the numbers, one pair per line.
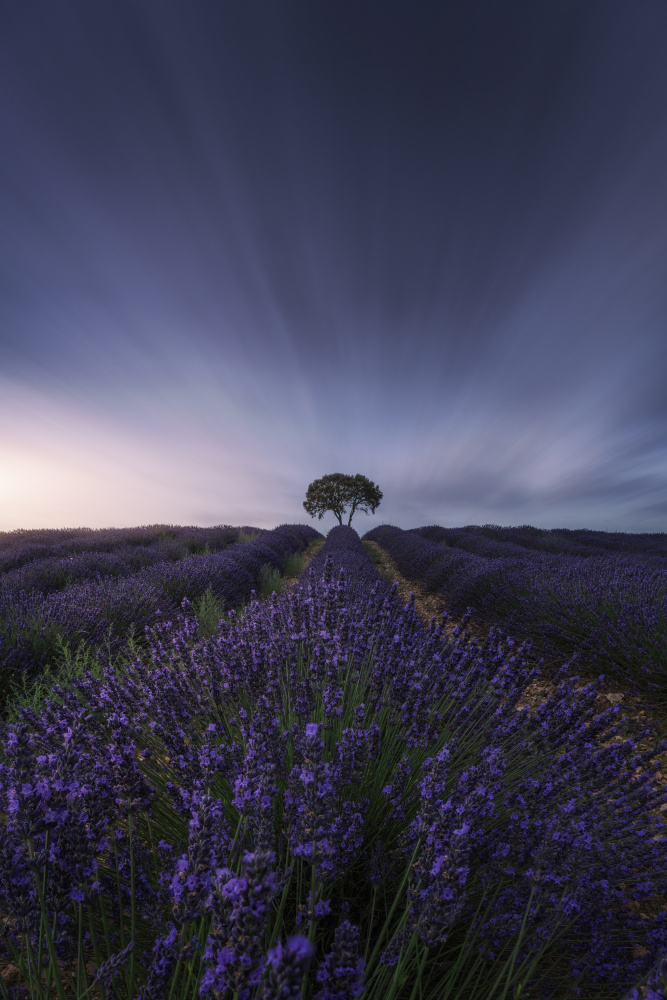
246, 244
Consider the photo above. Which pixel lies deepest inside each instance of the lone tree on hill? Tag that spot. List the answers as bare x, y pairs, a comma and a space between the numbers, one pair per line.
336, 492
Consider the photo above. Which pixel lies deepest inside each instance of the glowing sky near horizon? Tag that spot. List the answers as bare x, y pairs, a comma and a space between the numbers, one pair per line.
245, 244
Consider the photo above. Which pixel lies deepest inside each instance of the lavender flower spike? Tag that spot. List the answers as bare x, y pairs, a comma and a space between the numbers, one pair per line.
656, 984
342, 970
288, 966
108, 970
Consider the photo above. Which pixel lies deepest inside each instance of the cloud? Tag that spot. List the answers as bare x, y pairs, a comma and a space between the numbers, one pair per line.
240, 252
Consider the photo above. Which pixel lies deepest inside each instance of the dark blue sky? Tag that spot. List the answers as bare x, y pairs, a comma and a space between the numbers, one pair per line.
245, 244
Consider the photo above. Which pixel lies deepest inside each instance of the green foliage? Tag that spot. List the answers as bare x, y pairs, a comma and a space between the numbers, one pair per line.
246, 536
337, 492
45, 644
373, 553
270, 581
63, 672
293, 564
209, 610
196, 547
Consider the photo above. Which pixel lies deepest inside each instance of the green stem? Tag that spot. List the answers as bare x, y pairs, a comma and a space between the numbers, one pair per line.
299, 876
44, 880
179, 963
53, 963
81, 963
32, 968
313, 894
512, 961
184, 940
277, 925
401, 965
370, 922
120, 904
394, 904
241, 825
202, 934
418, 981
133, 914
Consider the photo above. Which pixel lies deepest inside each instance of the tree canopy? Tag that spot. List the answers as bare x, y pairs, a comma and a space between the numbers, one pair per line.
337, 492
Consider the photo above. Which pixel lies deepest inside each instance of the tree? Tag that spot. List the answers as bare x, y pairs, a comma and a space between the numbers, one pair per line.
336, 492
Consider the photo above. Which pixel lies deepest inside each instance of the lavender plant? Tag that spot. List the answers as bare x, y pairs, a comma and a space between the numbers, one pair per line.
608, 607
327, 798
561, 541
101, 612
18, 548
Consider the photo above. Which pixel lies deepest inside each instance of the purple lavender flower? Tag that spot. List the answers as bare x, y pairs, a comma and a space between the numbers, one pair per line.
132, 790
395, 792
355, 751
209, 839
322, 829
449, 827
110, 968
164, 952
656, 984
240, 907
570, 591
288, 965
256, 786
342, 970
101, 598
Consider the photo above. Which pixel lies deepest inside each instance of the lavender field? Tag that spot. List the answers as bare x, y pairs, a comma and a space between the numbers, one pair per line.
216, 785
596, 596
100, 590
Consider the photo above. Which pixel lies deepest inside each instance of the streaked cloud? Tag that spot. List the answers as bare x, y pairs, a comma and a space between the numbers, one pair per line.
244, 246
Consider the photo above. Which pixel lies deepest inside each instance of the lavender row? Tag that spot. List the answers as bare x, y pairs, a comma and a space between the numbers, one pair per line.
328, 799
611, 609
19, 548
52, 573
102, 613
462, 577
492, 540
346, 551
479, 544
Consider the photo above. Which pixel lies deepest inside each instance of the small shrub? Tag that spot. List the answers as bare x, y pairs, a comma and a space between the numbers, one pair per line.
270, 581
209, 610
294, 564
198, 547
63, 671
